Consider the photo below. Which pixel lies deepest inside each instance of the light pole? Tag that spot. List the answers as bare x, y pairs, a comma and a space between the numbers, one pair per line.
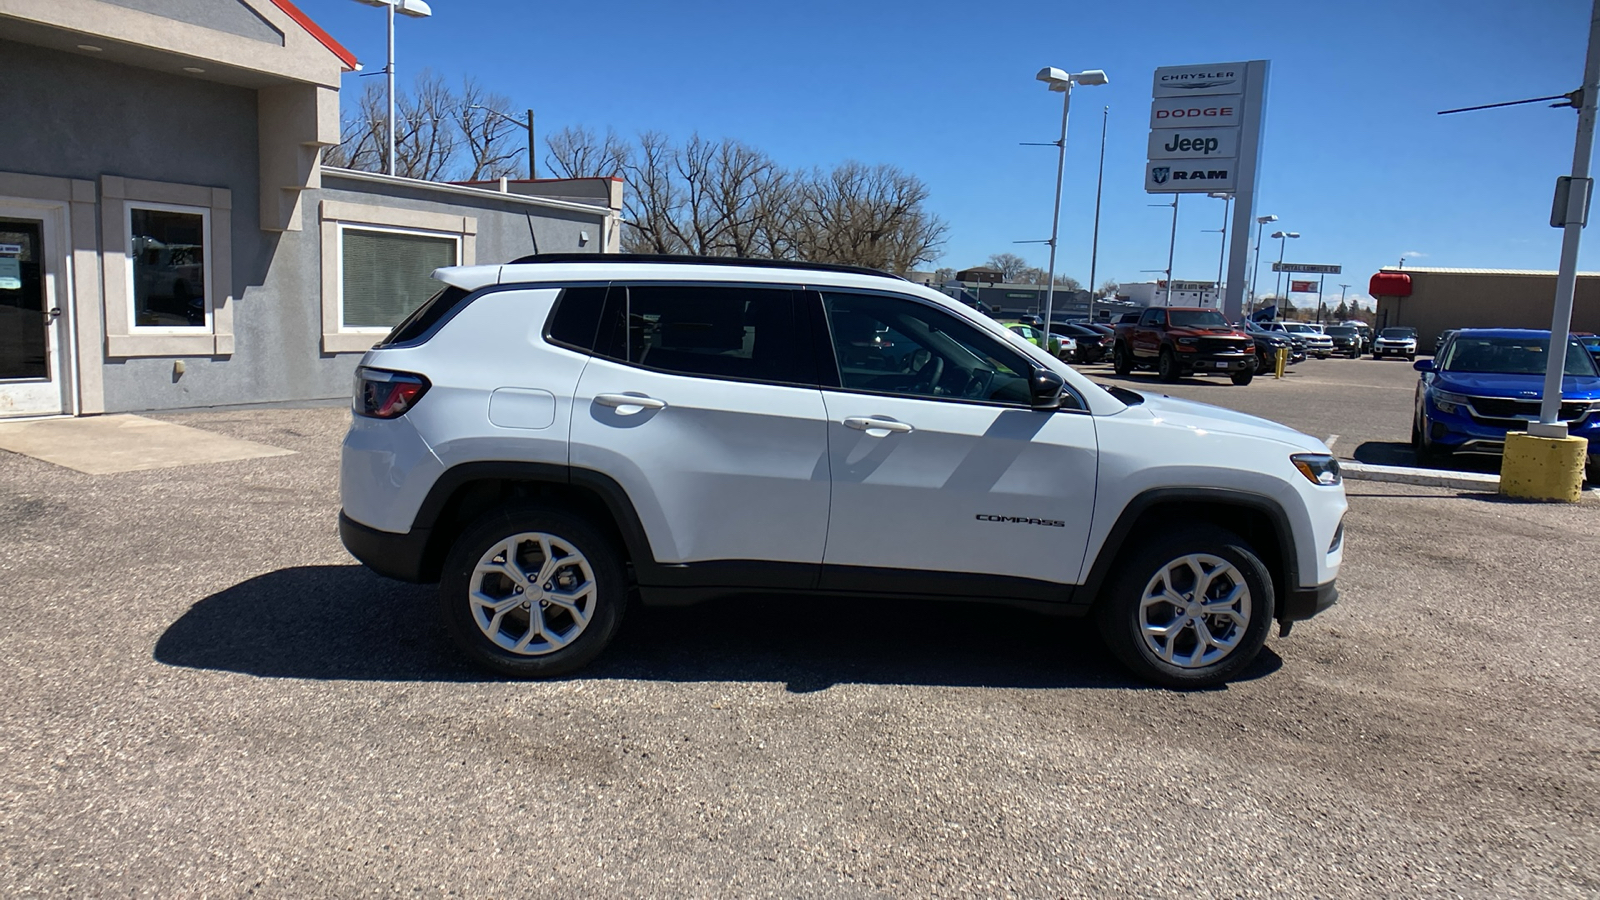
1061, 82
1172, 247
528, 124
1222, 256
1283, 241
1099, 182
1342, 288
416, 9
1261, 222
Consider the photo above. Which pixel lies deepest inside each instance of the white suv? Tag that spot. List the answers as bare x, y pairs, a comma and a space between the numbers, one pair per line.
545, 437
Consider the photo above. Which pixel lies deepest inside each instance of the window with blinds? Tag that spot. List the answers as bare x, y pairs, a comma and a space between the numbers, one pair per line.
386, 274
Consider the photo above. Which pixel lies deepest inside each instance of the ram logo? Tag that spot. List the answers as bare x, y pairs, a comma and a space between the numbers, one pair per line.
1159, 174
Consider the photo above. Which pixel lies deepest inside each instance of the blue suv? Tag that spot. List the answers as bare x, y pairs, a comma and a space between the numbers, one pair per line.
1487, 381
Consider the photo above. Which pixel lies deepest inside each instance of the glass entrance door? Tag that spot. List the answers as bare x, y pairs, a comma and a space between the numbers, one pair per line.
30, 380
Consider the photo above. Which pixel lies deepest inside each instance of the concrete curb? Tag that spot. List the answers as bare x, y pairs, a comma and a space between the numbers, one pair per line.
1463, 481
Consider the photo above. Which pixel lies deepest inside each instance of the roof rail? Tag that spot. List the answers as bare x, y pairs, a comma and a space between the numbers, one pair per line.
695, 261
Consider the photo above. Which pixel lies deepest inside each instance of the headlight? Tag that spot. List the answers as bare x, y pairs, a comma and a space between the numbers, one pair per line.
1318, 468
1447, 402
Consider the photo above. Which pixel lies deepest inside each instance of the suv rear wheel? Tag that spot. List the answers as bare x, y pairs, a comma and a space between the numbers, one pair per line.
1122, 359
1190, 609
531, 592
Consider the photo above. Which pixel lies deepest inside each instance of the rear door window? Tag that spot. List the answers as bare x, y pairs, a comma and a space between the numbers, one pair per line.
710, 331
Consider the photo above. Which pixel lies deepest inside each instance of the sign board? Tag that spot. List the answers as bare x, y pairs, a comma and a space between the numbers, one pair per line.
1199, 81
1302, 287
1206, 126
1194, 112
10, 249
1307, 268
1199, 287
1177, 176
10, 273
1194, 143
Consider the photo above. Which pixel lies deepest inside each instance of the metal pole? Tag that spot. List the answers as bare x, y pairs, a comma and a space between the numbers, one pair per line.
1055, 218
1094, 250
532, 170
1222, 255
1567, 277
1320, 279
1255, 275
1283, 242
389, 69
1172, 244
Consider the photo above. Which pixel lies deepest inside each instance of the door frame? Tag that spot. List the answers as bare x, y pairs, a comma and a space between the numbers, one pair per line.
56, 260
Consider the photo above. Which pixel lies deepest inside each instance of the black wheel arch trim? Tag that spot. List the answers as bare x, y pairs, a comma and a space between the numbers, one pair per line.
1117, 537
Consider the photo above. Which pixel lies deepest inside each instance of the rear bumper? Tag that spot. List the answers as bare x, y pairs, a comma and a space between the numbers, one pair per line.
1303, 603
391, 555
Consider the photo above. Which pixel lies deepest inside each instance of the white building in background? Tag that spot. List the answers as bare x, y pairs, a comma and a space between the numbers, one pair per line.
1184, 293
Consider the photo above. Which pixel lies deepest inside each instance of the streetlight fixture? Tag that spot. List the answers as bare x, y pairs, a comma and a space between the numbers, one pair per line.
416, 9
518, 122
1062, 82
1283, 241
1261, 222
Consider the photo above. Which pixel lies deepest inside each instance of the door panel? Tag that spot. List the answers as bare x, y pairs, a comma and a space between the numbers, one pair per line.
719, 468
969, 489
961, 475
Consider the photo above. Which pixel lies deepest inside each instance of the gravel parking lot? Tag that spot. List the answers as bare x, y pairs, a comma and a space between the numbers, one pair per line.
206, 696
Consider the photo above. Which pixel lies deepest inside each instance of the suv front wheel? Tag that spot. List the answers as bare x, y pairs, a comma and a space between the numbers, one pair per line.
531, 592
1191, 609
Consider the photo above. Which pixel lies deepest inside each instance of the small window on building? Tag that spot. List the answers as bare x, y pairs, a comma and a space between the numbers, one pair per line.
167, 247
387, 275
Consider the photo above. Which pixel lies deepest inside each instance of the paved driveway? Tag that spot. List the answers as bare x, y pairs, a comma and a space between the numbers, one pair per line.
204, 695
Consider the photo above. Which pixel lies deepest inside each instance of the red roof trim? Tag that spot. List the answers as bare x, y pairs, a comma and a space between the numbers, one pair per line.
315, 30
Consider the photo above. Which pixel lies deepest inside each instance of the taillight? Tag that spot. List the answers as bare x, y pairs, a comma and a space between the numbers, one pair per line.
382, 394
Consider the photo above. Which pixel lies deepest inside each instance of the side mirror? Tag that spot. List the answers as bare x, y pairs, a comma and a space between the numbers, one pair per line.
1423, 365
1044, 389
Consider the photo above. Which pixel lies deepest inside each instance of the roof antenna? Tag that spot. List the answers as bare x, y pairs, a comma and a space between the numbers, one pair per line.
531, 236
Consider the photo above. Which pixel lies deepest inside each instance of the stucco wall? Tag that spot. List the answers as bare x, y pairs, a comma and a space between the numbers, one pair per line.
1442, 300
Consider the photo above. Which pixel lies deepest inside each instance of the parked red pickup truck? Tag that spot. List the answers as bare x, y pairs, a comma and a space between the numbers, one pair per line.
1180, 340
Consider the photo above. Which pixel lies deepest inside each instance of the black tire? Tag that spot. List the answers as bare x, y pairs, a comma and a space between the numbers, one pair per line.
1121, 359
1121, 616
1243, 376
604, 608
1355, 354
1167, 368
1411, 357
1592, 475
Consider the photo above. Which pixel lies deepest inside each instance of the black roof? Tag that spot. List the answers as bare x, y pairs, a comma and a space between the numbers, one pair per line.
695, 261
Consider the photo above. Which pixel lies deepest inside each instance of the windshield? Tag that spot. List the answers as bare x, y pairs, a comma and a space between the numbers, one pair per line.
1341, 330
1298, 328
1511, 356
1196, 318
1398, 333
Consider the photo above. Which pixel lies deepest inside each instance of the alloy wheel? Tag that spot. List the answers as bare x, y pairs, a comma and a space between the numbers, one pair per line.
532, 593
1194, 612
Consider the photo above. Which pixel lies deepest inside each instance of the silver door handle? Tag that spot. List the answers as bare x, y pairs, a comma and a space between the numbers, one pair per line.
616, 400
52, 315
862, 423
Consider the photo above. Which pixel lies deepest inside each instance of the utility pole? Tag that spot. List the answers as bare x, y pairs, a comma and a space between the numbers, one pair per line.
1578, 190
1341, 300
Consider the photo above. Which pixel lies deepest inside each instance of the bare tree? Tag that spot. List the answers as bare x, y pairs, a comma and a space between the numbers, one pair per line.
363, 133
490, 139
1014, 268
425, 138
576, 152
944, 274
1108, 287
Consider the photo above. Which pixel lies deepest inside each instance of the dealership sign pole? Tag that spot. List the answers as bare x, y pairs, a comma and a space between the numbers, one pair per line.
1205, 136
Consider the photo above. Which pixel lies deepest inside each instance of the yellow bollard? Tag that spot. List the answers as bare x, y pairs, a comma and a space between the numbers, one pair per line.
1543, 468
1283, 360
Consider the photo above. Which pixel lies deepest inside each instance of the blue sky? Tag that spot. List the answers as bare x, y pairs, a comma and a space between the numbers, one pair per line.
1356, 159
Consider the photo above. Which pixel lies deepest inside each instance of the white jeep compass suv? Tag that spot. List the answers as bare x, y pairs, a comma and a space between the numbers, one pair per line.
545, 437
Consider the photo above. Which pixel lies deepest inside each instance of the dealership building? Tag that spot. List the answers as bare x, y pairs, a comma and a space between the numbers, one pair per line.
169, 237
1433, 300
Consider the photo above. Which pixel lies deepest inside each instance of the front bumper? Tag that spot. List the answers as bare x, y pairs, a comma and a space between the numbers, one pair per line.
1303, 603
1461, 432
1393, 350
398, 556
1216, 362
